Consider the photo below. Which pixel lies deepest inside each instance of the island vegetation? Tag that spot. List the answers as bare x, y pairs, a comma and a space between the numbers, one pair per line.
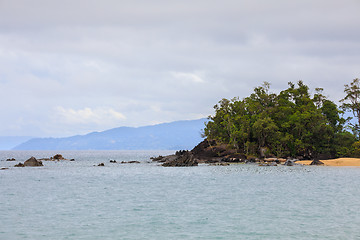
293, 123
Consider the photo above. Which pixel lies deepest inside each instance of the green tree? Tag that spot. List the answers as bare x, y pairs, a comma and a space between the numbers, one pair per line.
351, 102
290, 123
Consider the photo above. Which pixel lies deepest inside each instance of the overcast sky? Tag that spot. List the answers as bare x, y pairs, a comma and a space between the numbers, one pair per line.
75, 66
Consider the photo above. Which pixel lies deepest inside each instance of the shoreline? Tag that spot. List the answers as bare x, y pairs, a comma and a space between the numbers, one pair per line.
338, 162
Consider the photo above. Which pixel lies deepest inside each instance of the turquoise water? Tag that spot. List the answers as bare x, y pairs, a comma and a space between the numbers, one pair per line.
75, 200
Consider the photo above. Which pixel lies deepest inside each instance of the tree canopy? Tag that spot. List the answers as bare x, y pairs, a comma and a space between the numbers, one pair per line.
291, 123
351, 102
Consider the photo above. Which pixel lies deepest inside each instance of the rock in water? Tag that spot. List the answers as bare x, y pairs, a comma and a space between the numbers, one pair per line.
58, 157
316, 162
19, 165
185, 159
32, 162
289, 162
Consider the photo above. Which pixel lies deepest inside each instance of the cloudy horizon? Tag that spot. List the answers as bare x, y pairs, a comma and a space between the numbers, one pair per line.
73, 67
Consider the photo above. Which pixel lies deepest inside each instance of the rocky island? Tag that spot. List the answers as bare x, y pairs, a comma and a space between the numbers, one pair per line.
284, 128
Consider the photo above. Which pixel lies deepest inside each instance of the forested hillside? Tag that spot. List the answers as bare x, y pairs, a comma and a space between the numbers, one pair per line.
290, 123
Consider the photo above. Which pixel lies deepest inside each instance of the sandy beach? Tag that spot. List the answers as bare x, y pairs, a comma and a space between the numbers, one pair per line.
338, 162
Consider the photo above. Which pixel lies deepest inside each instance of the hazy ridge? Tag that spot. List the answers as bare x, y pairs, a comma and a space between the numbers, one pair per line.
166, 136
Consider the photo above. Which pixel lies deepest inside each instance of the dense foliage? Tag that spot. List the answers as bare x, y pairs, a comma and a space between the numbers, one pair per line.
291, 123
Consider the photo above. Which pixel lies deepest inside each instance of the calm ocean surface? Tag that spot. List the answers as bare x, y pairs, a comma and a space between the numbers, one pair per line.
75, 200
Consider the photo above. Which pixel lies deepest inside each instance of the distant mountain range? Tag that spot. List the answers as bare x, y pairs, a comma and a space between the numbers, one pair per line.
166, 136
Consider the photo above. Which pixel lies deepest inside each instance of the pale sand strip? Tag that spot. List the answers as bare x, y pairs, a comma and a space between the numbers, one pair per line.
339, 162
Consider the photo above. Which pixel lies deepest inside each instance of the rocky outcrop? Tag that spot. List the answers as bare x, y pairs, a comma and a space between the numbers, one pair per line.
19, 165
58, 157
289, 162
123, 162
316, 162
158, 159
180, 159
33, 162
10, 159
209, 151
101, 165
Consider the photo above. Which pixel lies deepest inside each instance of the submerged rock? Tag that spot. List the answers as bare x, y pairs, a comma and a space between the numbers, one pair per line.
123, 162
33, 162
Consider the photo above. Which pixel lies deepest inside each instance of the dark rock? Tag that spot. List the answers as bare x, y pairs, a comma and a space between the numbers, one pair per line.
71, 160
158, 159
186, 159
101, 165
113, 161
251, 160
4, 168
123, 162
19, 165
316, 162
209, 149
289, 162
222, 164
213, 160
58, 157
219, 164
32, 162
231, 160
11, 159
181, 152
268, 164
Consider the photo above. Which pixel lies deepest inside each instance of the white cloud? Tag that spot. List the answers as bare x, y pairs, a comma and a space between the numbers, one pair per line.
88, 115
188, 77
159, 61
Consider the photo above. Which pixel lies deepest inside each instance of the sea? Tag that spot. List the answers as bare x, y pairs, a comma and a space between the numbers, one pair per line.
80, 200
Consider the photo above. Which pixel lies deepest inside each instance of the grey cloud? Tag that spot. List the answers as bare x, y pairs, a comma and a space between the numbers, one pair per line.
156, 61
